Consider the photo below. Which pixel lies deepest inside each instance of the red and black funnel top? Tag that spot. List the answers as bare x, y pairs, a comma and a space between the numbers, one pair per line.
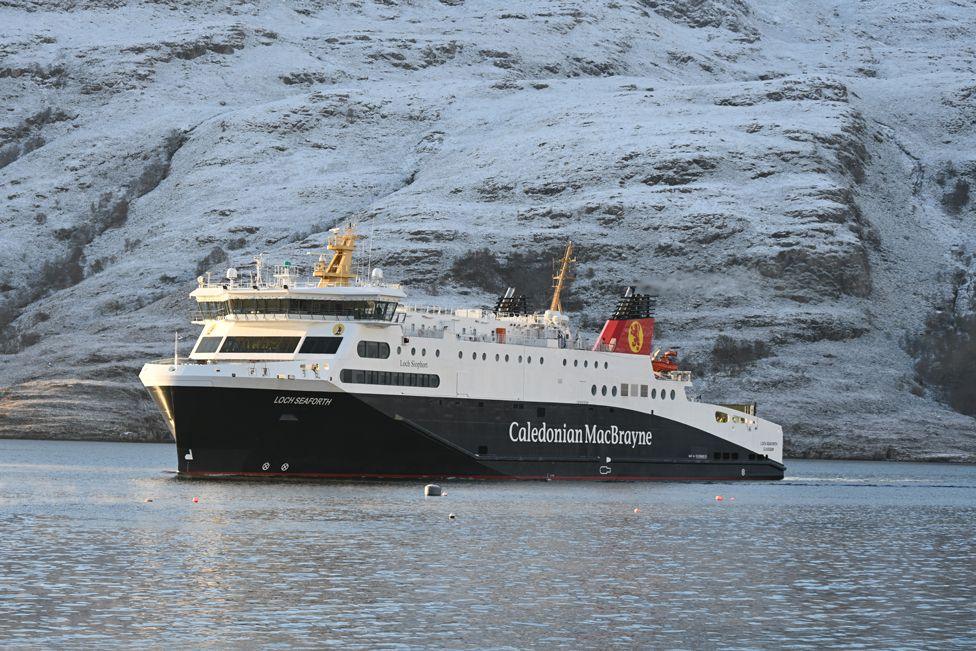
630, 329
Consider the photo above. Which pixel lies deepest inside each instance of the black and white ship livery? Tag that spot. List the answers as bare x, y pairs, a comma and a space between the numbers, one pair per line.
334, 377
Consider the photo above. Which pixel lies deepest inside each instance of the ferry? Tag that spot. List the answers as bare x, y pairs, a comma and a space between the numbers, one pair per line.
334, 376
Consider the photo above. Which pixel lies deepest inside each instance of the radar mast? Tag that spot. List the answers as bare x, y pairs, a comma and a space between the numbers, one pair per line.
338, 272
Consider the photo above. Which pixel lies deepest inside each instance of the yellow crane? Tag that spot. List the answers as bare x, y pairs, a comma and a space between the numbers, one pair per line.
561, 278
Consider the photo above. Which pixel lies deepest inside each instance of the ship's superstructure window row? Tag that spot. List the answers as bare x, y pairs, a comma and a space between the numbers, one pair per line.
390, 378
277, 345
297, 308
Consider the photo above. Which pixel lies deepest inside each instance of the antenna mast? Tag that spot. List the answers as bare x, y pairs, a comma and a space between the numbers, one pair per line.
338, 272
561, 278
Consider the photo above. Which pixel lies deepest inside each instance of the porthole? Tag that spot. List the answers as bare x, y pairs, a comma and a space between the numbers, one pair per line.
437, 353
542, 360
460, 354
654, 393
484, 356
593, 389
586, 363
474, 355
496, 357
423, 352
605, 365
520, 359
528, 359
413, 351
613, 391
575, 362
603, 391
399, 349
564, 362
506, 358
672, 394
664, 394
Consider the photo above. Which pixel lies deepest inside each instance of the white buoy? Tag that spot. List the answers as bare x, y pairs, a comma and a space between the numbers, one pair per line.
432, 490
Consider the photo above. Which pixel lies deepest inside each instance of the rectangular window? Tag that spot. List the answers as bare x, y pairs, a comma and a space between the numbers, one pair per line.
633, 390
274, 345
717, 455
320, 345
735, 456
540, 412
423, 380
643, 391
373, 349
624, 389
725, 455
208, 344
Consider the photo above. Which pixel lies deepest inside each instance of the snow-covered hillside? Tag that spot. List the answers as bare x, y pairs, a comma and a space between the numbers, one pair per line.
788, 172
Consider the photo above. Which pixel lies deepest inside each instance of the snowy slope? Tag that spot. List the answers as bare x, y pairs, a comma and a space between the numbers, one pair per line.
776, 170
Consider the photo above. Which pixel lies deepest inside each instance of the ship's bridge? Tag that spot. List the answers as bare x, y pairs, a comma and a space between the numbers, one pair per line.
296, 301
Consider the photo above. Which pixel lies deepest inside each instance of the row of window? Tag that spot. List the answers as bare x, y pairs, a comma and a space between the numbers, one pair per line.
722, 417
528, 359
725, 456
734, 456
632, 391
268, 345
301, 307
390, 378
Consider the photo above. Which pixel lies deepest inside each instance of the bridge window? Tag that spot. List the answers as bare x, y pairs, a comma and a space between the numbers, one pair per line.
323, 345
366, 310
275, 345
208, 344
721, 417
372, 349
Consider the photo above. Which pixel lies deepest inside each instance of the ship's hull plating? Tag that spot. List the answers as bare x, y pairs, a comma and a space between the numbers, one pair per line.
237, 432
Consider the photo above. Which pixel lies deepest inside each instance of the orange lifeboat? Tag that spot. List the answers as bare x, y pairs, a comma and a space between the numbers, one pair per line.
666, 363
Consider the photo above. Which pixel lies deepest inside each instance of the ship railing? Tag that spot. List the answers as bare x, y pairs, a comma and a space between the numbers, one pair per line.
180, 361
292, 283
425, 309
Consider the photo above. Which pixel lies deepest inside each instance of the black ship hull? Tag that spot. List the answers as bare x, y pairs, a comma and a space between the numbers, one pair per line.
238, 432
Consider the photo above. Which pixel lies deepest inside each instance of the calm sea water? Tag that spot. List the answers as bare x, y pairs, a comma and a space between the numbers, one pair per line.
838, 554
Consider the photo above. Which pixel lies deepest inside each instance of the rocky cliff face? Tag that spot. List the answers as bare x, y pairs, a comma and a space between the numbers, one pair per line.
793, 178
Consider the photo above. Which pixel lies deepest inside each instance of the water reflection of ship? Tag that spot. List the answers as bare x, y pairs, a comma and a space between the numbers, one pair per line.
335, 377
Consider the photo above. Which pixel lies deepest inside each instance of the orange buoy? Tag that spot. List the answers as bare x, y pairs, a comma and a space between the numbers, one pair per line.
719, 498
196, 499
636, 510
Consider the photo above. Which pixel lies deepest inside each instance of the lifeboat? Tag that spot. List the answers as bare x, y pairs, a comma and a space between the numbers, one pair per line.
667, 363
